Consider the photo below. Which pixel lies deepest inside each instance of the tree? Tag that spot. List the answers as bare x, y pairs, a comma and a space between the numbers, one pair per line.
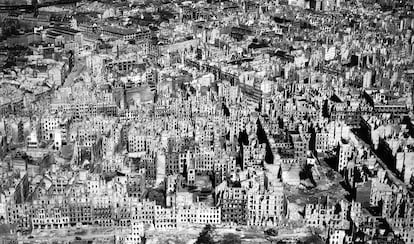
10, 27
271, 232
230, 238
271, 235
206, 235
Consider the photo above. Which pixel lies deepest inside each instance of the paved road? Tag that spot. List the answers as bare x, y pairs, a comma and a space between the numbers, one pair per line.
394, 179
71, 234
